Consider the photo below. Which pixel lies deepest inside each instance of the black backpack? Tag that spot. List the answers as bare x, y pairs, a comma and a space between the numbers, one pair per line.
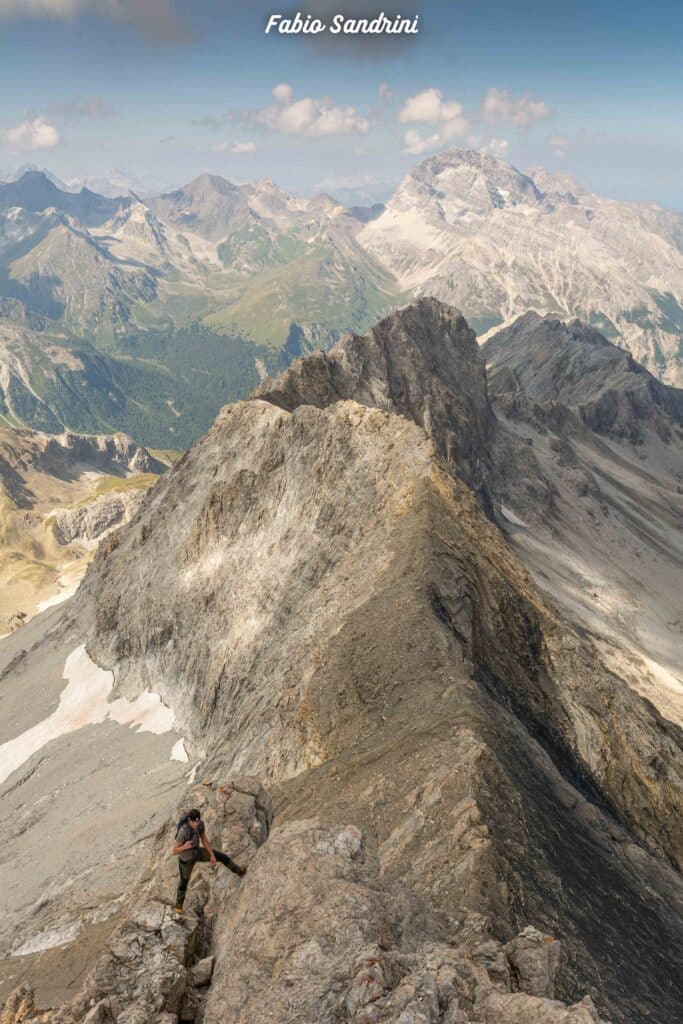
184, 821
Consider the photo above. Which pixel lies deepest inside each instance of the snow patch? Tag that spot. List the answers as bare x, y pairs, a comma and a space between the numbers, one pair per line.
179, 753
48, 940
147, 712
84, 701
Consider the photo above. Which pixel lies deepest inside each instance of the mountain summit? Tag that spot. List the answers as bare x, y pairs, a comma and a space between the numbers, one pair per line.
35, 192
422, 362
495, 242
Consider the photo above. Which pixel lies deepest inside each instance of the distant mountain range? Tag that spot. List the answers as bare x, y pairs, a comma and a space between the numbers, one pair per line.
146, 316
116, 182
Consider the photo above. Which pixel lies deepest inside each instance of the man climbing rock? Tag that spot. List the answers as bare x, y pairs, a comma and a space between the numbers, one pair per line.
189, 834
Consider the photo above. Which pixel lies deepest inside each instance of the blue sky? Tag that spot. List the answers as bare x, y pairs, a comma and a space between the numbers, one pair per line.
164, 89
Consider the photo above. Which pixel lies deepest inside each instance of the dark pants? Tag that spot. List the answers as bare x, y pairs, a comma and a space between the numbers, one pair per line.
185, 868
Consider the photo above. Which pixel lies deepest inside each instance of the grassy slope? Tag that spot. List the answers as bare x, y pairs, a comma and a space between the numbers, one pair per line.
200, 343
313, 288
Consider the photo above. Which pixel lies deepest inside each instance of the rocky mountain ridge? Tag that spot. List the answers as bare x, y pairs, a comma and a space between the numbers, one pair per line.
326, 591
325, 880
367, 624
571, 367
608, 542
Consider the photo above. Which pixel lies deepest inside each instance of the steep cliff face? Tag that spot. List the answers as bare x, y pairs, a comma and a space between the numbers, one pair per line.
321, 598
422, 363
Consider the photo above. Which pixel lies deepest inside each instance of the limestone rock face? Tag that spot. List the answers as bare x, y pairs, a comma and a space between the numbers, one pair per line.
315, 914
87, 523
423, 363
607, 437
534, 959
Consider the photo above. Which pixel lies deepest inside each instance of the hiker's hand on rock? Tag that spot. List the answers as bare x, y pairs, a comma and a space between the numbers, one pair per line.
213, 860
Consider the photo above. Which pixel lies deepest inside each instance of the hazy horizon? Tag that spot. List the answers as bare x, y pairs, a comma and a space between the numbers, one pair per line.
359, 194
163, 93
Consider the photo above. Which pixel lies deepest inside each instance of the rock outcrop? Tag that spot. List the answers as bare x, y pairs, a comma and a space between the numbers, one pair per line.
423, 363
344, 945
156, 965
87, 523
311, 933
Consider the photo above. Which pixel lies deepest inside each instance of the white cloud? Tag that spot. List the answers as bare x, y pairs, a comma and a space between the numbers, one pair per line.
496, 147
429, 107
386, 93
520, 111
37, 133
283, 93
308, 116
414, 143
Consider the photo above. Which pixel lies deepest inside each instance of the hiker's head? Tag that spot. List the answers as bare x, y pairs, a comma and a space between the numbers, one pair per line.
194, 817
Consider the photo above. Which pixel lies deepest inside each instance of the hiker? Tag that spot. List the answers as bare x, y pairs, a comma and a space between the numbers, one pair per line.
186, 848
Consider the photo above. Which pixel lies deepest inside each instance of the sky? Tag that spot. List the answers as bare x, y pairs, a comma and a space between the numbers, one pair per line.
155, 92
